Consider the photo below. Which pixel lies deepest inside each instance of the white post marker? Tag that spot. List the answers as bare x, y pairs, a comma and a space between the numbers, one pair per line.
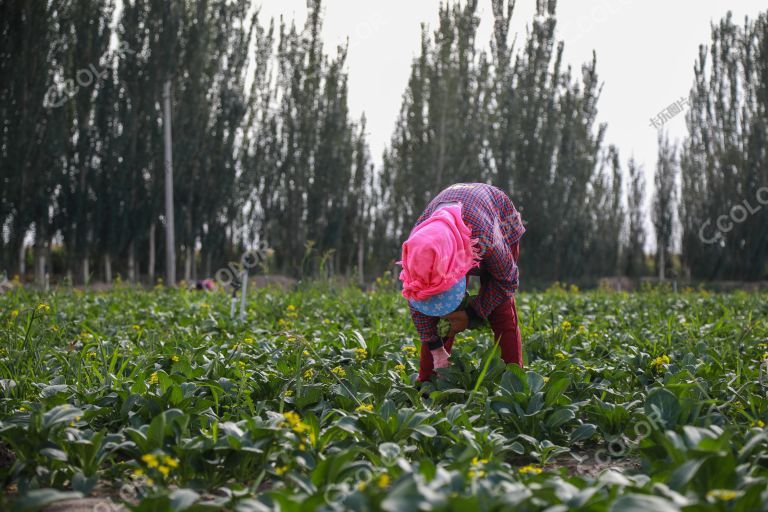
243, 293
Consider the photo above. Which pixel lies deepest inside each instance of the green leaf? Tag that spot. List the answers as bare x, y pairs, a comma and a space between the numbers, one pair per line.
642, 503
39, 498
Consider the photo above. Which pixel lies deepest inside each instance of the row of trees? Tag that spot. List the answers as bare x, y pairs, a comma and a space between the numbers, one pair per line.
263, 144
265, 148
526, 123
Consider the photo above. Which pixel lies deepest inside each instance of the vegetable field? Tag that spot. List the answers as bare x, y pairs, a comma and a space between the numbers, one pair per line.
157, 400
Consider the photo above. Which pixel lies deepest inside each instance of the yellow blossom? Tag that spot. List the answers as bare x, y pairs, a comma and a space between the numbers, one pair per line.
530, 469
658, 364
248, 341
43, 308
361, 353
566, 325
472, 473
364, 408
152, 379
383, 481
288, 392
291, 307
410, 350
399, 367
136, 327
339, 371
759, 424
165, 470
150, 459
170, 461
241, 365
175, 359
560, 355
280, 471
722, 494
309, 373
14, 313
305, 353
293, 420
138, 472
22, 409
477, 462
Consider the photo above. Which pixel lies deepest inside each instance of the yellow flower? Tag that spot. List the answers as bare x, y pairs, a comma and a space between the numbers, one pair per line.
530, 469
722, 494
566, 325
361, 353
472, 473
291, 307
546, 379
175, 359
43, 308
658, 364
560, 356
326, 321
582, 330
136, 327
241, 365
22, 409
399, 367
309, 373
339, 371
14, 313
409, 350
293, 420
152, 379
574, 289
759, 424
477, 462
364, 408
280, 471
150, 459
288, 392
165, 470
55, 328
170, 461
383, 481
305, 353
248, 341
138, 472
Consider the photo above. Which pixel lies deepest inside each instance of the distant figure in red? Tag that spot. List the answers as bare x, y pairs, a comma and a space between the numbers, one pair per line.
467, 229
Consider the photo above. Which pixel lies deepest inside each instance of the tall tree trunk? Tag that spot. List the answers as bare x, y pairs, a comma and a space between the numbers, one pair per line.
85, 269
662, 264
107, 268
151, 264
188, 255
170, 235
40, 253
131, 263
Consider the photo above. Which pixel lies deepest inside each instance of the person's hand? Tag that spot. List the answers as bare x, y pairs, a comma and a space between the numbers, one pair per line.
440, 358
459, 322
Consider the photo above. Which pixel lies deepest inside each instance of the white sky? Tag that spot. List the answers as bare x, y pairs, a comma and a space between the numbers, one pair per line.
645, 54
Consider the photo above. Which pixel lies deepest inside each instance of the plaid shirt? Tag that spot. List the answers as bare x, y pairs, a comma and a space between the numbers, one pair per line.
497, 225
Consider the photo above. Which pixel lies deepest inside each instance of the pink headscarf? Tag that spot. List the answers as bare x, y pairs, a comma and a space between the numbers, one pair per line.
437, 254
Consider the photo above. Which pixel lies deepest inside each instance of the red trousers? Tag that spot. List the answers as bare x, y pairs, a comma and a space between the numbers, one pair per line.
505, 329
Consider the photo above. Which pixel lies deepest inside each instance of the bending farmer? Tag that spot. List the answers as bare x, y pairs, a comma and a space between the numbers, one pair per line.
467, 229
